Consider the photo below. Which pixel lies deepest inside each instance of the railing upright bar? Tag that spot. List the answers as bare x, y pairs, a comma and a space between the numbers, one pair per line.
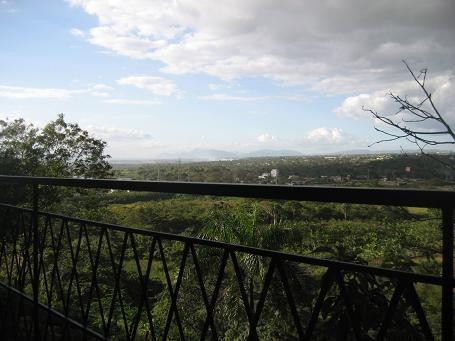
35, 212
447, 273
443, 200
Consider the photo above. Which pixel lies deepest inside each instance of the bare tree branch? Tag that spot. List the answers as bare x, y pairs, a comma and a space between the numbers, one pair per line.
400, 124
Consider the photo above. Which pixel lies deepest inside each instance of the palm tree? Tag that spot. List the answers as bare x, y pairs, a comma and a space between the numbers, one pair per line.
243, 225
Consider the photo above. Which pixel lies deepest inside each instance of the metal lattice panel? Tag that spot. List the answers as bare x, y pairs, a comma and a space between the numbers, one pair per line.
68, 278
75, 296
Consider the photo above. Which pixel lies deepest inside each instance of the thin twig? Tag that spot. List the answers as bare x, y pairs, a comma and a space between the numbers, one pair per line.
415, 113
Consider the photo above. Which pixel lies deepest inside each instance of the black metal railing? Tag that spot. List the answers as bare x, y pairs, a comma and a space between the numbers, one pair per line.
55, 283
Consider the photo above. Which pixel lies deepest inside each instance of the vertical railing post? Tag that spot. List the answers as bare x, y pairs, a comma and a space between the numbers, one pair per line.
447, 273
35, 283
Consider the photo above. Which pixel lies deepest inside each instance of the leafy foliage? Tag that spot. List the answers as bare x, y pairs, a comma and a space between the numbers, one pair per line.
58, 149
392, 237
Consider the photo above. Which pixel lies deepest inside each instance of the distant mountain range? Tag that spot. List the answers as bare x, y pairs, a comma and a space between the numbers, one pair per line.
216, 154
201, 154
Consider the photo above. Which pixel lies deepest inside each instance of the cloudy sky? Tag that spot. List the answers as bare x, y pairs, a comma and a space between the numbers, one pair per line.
160, 77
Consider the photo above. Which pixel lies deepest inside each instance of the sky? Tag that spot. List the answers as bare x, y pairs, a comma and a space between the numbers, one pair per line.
156, 78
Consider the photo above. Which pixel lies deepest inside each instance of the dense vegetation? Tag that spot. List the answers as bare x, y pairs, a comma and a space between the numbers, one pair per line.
58, 149
393, 237
353, 170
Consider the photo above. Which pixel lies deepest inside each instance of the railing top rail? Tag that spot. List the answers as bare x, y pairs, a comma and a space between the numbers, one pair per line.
353, 195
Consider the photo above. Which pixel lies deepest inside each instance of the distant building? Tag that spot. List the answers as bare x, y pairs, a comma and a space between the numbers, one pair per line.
264, 177
274, 173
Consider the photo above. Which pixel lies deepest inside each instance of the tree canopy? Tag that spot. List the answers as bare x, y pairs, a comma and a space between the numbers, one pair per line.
58, 149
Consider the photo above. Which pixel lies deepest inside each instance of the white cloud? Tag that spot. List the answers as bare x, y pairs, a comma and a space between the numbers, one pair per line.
157, 85
349, 47
126, 101
325, 136
17, 92
100, 90
100, 94
8, 7
354, 106
129, 45
442, 88
118, 133
266, 138
127, 142
102, 86
226, 97
215, 86
77, 33
444, 99
20, 92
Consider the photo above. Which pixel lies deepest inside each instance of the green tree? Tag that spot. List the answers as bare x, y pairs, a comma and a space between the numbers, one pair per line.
242, 225
58, 149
